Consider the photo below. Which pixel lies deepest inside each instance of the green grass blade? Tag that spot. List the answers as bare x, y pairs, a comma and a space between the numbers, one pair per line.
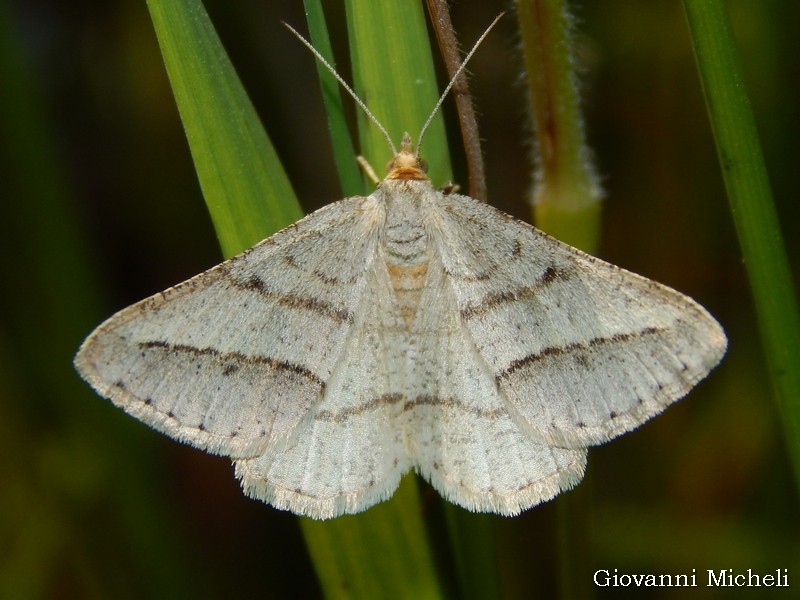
249, 196
752, 206
393, 73
474, 551
344, 155
385, 548
381, 553
243, 182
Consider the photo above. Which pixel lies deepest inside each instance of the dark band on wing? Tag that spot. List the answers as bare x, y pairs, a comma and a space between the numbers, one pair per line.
226, 359
429, 400
354, 411
491, 301
617, 338
340, 416
325, 278
258, 285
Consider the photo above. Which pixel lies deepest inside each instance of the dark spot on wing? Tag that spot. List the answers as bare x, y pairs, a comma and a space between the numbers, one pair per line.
230, 369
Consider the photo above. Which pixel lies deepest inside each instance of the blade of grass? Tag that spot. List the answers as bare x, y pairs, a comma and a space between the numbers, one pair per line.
472, 543
243, 181
381, 553
344, 155
393, 73
385, 548
752, 206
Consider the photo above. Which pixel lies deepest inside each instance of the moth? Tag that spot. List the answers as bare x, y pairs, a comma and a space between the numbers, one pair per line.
407, 329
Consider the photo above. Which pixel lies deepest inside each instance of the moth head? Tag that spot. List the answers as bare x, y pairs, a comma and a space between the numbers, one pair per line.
406, 163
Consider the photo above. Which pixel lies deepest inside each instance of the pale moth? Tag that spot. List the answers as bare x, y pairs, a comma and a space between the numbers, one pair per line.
408, 329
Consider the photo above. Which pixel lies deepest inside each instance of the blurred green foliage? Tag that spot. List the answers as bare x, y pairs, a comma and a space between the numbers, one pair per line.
102, 207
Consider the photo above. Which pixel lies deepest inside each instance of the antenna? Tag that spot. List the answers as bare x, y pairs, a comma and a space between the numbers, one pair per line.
343, 83
363, 106
453, 80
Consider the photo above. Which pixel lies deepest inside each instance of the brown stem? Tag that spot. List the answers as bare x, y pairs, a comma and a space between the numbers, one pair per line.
443, 26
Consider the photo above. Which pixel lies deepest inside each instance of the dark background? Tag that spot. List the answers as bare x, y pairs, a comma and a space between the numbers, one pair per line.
102, 208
